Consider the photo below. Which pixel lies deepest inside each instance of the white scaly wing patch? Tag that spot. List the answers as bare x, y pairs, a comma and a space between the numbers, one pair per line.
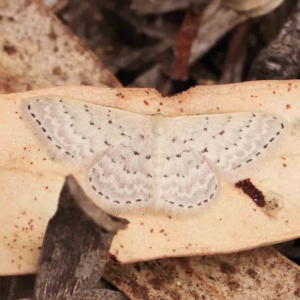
133, 161
232, 143
187, 182
124, 176
109, 145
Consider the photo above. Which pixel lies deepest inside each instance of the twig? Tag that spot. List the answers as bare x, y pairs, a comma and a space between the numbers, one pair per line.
235, 57
184, 41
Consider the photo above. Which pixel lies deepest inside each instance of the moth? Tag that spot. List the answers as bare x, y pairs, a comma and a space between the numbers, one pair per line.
134, 162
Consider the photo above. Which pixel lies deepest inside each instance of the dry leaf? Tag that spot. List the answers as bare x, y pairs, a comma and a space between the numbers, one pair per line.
38, 51
257, 274
248, 7
157, 6
32, 182
253, 8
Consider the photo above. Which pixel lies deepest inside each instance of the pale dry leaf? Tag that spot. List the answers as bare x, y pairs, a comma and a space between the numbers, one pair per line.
236, 215
56, 5
217, 20
253, 8
38, 51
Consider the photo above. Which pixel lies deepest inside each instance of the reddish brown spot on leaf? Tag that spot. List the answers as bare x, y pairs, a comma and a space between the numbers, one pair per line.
250, 190
56, 71
120, 95
146, 102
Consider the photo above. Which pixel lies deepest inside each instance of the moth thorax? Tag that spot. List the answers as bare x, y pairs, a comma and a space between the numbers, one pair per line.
158, 145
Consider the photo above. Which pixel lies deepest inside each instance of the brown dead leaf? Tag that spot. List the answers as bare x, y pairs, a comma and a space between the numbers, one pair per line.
257, 274
37, 51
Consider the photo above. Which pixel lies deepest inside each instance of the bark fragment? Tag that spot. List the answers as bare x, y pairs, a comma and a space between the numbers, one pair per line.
280, 60
75, 247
